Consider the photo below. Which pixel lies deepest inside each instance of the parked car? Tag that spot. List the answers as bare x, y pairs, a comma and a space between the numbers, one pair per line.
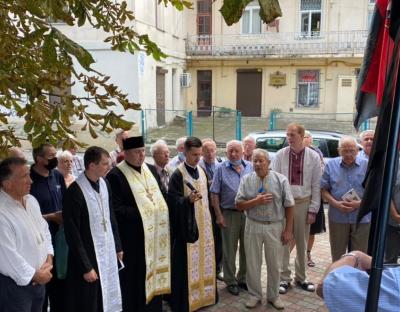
273, 141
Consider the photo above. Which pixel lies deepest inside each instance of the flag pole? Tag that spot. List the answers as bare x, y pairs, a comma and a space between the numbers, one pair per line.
379, 234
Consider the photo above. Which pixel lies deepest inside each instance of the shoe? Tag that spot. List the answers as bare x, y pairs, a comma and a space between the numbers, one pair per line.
283, 287
252, 302
310, 262
233, 290
220, 277
243, 286
277, 303
307, 286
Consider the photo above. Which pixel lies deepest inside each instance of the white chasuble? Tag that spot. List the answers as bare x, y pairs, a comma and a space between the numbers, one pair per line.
201, 254
155, 218
103, 241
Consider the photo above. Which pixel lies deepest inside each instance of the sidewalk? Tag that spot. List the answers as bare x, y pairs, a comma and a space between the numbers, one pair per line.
295, 299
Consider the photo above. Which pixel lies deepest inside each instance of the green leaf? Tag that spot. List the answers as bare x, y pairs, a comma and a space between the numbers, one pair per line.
49, 49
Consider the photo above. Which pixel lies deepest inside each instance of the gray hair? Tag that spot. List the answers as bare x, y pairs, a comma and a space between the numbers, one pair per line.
64, 155
364, 133
180, 141
231, 142
157, 145
260, 151
249, 138
347, 138
307, 133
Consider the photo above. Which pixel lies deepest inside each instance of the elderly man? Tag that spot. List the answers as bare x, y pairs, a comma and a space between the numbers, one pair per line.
249, 144
266, 197
342, 188
231, 220
143, 222
302, 167
208, 160
26, 251
366, 140
160, 152
180, 157
77, 162
345, 284
117, 155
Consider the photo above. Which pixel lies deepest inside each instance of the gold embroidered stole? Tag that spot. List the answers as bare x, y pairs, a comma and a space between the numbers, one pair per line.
155, 217
200, 255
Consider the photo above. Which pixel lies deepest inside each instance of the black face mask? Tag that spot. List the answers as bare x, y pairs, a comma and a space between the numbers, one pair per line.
52, 163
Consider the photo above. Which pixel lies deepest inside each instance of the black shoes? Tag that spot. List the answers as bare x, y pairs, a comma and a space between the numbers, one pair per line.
243, 286
233, 290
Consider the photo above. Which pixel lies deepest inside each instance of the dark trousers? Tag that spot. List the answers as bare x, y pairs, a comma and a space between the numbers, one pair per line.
14, 298
55, 291
217, 244
392, 251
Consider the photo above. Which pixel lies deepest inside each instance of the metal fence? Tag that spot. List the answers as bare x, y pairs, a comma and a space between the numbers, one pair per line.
224, 124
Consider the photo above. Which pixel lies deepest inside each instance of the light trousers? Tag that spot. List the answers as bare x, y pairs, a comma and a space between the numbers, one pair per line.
257, 237
301, 231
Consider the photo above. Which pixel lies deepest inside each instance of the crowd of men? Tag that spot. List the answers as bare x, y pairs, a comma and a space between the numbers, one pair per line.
110, 232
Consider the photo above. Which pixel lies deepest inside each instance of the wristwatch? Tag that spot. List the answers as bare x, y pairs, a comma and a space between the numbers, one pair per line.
351, 254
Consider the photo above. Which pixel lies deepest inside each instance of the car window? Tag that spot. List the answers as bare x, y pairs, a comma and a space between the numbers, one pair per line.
321, 144
270, 144
333, 148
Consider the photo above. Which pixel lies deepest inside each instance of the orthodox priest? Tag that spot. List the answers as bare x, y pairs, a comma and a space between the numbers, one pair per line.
193, 260
92, 236
143, 222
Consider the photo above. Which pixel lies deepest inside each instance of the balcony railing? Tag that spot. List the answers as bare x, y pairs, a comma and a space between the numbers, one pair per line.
278, 44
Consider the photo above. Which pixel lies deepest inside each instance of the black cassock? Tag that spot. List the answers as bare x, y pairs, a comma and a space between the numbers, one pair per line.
130, 225
183, 230
81, 295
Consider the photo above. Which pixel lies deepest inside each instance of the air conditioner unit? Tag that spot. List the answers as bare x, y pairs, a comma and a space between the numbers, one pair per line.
186, 80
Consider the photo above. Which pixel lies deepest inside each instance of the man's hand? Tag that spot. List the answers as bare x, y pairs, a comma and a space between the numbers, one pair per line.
55, 217
343, 206
286, 237
120, 255
264, 198
43, 275
91, 276
220, 221
311, 217
353, 204
194, 196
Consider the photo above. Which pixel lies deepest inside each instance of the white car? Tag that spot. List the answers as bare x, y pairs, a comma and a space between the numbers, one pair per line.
273, 141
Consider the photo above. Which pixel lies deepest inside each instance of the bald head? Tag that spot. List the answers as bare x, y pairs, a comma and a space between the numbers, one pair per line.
348, 149
16, 152
234, 151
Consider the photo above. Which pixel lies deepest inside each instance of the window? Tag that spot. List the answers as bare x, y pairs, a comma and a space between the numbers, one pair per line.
204, 13
271, 144
308, 88
251, 21
310, 16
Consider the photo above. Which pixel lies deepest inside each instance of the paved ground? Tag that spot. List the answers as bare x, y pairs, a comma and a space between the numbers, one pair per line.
296, 299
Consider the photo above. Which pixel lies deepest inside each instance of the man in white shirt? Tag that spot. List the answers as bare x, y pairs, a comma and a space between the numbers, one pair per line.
302, 167
26, 252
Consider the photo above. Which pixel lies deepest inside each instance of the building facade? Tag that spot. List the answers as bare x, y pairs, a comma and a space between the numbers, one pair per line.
306, 61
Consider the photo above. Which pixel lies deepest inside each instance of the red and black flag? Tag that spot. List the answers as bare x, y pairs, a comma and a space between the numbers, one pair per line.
373, 71
389, 71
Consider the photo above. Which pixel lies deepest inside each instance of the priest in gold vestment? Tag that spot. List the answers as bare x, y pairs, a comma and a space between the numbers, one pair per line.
193, 258
143, 222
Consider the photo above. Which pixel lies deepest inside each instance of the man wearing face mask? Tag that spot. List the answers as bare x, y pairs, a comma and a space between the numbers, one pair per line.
224, 188
180, 157
48, 188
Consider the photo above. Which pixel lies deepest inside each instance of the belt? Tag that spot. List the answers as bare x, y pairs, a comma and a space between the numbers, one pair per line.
263, 222
302, 200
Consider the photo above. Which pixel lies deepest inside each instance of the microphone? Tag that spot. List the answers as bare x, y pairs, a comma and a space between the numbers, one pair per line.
190, 186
